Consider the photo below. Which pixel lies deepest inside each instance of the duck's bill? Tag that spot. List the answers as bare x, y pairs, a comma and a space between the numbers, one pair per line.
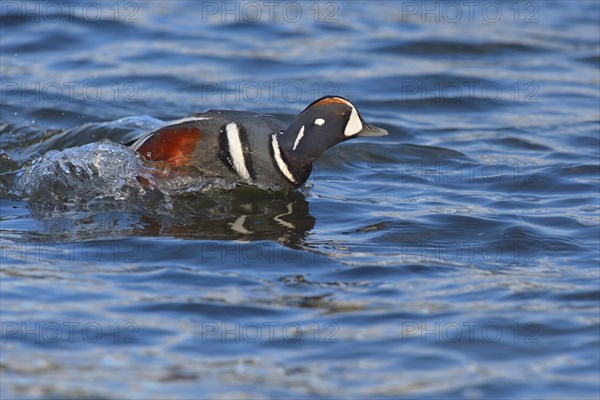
371, 130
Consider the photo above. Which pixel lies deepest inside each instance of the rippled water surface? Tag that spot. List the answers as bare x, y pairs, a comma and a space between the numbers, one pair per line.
456, 257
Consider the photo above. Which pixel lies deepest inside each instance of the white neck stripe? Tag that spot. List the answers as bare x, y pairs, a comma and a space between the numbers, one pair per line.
279, 160
298, 138
236, 151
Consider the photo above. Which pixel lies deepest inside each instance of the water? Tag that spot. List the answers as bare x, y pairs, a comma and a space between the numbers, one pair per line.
456, 257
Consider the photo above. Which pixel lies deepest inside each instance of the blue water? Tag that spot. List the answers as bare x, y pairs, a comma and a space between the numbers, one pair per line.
456, 257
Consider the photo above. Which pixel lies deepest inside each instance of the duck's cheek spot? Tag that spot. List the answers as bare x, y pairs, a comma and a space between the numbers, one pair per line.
319, 121
354, 124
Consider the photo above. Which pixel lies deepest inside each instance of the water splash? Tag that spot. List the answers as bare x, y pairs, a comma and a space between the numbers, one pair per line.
102, 173
81, 174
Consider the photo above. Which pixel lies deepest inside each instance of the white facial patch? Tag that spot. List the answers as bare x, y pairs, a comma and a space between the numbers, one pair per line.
236, 150
354, 124
298, 138
319, 121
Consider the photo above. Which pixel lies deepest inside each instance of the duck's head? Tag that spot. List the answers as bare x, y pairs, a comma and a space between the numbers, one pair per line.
324, 123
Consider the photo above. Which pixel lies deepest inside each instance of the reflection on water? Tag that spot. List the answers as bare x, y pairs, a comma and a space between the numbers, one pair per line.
246, 214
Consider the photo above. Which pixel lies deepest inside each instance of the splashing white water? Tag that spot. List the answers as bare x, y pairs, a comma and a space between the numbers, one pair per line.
81, 176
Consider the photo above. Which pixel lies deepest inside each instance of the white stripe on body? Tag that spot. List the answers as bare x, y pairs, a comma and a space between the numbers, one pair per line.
236, 151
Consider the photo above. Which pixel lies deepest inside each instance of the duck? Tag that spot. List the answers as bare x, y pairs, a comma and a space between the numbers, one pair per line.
255, 149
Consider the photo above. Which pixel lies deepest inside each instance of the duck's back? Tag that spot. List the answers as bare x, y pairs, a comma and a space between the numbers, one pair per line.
234, 145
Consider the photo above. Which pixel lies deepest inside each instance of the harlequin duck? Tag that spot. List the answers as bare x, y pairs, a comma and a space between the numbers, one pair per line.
255, 149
